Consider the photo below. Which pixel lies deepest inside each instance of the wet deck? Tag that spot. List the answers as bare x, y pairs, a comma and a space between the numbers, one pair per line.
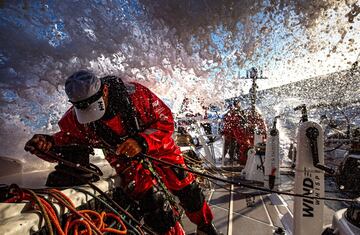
244, 211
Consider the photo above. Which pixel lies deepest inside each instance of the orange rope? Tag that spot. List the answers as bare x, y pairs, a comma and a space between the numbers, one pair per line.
82, 222
99, 221
52, 216
76, 223
63, 196
25, 196
74, 211
112, 230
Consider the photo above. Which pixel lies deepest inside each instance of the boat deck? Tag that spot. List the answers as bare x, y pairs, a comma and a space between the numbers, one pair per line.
239, 210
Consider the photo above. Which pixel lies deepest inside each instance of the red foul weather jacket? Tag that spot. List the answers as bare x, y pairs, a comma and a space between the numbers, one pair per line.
152, 114
232, 120
244, 133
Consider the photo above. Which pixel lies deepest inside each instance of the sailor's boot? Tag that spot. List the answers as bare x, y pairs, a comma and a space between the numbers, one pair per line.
207, 229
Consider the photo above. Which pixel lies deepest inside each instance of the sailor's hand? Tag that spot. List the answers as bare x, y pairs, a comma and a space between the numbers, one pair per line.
129, 148
38, 142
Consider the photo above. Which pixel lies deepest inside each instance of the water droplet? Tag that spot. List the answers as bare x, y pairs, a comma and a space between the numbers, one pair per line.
342, 187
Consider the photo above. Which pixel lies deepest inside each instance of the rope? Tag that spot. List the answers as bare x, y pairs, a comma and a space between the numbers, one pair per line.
239, 183
29, 195
83, 222
139, 225
42, 209
246, 185
96, 224
148, 165
117, 206
109, 207
333, 149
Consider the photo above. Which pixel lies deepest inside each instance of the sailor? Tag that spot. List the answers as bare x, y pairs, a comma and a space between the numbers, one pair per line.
129, 117
233, 119
249, 122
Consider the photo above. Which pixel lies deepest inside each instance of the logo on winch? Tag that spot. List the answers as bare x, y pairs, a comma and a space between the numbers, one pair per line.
310, 189
308, 204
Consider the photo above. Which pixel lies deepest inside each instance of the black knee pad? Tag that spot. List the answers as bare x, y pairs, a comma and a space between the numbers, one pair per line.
191, 197
157, 210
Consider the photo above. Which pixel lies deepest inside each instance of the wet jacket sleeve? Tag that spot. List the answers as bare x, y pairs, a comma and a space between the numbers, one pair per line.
69, 134
70, 131
156, 120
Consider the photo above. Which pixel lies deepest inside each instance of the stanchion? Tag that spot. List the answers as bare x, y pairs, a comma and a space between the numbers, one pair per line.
272, 163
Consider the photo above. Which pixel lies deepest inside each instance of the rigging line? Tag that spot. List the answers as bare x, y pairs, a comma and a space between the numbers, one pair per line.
243, 184
258, 193
238, 191
107, 205
333, 149
190, 159
358, 57
242, 215
103, 194
221, 171
246, 185
140, 226
211, 177
219, 185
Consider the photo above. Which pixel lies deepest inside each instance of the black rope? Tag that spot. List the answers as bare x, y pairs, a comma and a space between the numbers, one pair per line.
333, 149
247, 185
70, 164
107, 206
141, 226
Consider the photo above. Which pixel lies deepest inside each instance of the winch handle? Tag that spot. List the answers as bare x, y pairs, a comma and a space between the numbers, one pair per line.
312, 133
53, 153
304, 116
325, 168
273, 130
